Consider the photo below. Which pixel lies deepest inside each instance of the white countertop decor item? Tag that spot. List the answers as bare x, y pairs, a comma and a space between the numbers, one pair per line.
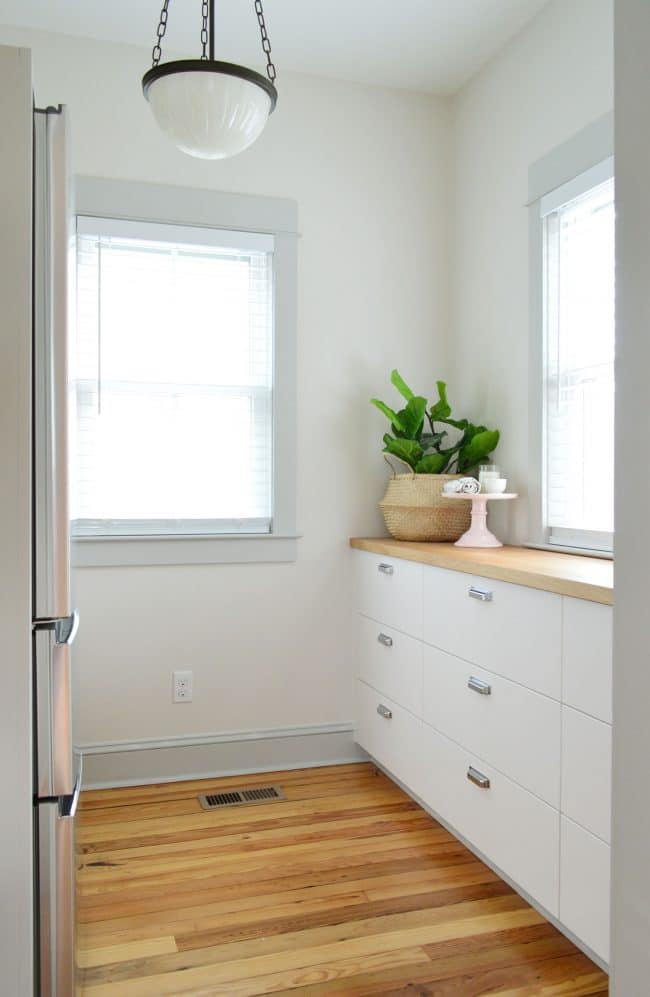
486, 474
478, 534
468, 486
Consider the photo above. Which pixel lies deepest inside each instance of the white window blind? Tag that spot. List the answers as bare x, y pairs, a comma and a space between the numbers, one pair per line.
579, 290
173, 380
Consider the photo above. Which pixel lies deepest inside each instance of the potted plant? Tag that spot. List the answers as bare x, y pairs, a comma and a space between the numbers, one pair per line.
436, 448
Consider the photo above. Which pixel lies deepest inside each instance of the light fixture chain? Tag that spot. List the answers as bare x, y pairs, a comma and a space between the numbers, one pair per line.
162, 27
266, 44
204, 29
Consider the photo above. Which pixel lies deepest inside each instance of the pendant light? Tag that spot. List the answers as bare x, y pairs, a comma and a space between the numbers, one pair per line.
210, 109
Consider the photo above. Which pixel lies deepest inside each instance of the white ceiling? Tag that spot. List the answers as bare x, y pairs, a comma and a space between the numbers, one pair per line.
429, 45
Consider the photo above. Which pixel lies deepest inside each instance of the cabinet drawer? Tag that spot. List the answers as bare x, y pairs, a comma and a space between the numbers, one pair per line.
587, 771
513, 829
391, 662
512, 728
509, 629
390, 734
390, 590
584, 889
587, 657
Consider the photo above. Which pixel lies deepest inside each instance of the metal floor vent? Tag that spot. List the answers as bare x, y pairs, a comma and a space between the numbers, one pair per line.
241, 797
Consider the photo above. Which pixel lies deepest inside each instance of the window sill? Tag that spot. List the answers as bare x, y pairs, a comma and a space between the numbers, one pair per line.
606, 555
96, 552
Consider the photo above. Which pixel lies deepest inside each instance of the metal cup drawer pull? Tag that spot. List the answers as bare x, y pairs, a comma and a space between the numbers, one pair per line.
478, 685
384, 712
386, 569
483, 595
385, 640
478, 778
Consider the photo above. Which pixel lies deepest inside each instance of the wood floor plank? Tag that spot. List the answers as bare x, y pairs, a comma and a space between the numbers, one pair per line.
220, 875
347, 887
571, 973
343, 915
340, 930
252, 838
249, 853
450, 958
157, 834
112, 829
189, 980
304, 980
154, 898
103, 955
391, 887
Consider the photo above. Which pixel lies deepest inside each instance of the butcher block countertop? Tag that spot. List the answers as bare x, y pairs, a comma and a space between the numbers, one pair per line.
590, 578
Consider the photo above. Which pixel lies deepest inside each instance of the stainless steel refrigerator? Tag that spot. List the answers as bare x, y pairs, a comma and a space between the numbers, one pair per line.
57, 775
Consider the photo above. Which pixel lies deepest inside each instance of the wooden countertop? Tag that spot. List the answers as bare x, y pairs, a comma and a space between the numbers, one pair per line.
590, 578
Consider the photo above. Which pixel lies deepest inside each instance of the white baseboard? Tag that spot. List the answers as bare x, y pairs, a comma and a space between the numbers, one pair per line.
110, 764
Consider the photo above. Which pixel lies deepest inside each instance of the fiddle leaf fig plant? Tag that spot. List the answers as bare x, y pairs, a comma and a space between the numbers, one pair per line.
418, 438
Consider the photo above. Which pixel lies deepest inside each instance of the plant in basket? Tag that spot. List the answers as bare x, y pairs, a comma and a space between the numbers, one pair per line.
436, 448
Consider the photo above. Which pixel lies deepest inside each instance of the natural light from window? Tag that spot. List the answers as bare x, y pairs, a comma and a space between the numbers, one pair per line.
579, 325
173, 381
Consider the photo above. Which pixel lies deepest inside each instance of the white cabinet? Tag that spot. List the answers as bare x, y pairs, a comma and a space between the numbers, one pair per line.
510, 826
460, 674
391, 661
587, 657
513, 728
390, 734
511, 630
584, 886
390, 591
587, 771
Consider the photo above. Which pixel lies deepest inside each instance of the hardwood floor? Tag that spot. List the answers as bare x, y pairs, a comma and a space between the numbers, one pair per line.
347, 887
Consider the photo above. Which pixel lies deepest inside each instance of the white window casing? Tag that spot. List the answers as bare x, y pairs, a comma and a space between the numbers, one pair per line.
571, 213
184, 455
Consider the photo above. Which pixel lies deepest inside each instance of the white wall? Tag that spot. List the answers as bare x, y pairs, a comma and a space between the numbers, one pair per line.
272, 645
549, 82
15, 527
631, 820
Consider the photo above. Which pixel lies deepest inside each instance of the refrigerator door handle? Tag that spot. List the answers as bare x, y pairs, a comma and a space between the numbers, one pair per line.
64, 627
68, 804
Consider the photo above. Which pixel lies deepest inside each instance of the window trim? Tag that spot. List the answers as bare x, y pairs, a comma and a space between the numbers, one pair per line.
207, 209
591, 149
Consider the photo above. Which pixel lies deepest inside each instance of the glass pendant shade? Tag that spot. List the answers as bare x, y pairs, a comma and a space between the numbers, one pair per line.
209, 109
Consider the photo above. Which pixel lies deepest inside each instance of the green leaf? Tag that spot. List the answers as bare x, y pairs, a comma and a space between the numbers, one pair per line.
409, 451
412, 417
430, 440
467, 427
442, 409
389, 413
401, 385
434, 463
461, 424
481, 445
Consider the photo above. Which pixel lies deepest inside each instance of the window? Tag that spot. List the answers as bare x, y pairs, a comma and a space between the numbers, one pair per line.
578, 430
184, 364
570, 485
173, 380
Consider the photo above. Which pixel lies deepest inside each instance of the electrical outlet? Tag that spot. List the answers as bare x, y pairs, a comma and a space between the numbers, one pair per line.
182, 687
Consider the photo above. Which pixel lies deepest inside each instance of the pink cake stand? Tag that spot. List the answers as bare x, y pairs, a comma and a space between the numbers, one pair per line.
478, 534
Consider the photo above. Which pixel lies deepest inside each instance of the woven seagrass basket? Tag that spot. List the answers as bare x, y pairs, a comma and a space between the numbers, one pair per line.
414, 508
